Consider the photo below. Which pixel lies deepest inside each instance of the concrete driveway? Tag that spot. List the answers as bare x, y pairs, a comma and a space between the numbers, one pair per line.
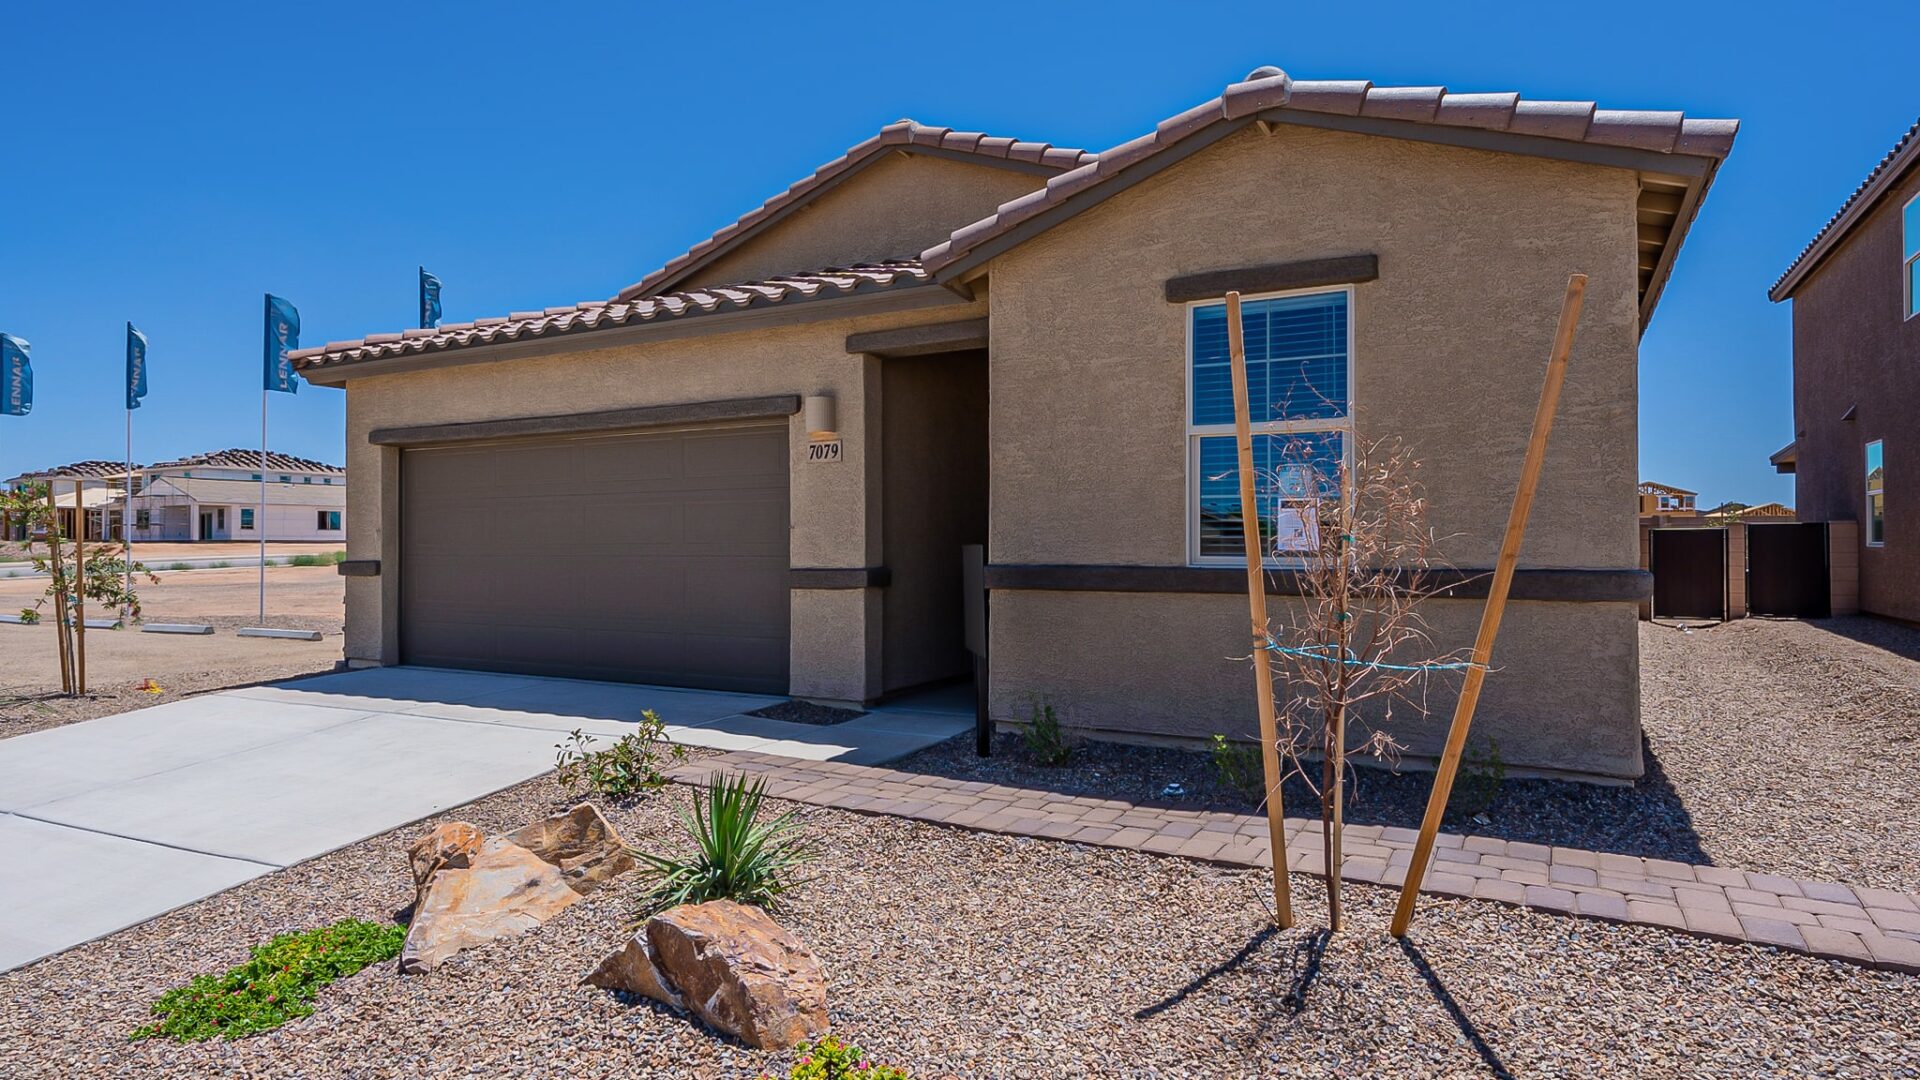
110, 822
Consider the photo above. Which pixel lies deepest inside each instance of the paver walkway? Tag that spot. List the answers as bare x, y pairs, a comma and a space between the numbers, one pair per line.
1872, 927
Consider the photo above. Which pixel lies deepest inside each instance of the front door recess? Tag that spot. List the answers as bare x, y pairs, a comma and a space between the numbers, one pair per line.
657, 557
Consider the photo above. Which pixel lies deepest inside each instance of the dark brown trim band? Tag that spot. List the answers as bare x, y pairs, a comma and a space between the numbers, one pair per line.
859, 577
358, 568
921, 340
1274, 277
1568, 586
696, 412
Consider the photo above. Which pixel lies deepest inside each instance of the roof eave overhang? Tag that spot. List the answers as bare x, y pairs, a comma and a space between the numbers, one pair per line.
1697, 171
581, 338
653, 286
1837, 231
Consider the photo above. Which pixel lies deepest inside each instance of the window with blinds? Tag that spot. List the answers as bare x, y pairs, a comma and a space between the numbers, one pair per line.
1298, 385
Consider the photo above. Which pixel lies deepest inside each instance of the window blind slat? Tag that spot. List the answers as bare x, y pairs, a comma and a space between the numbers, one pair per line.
1296, 359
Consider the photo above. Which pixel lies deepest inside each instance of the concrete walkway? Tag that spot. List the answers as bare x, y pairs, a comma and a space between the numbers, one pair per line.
110, 822
1871, 927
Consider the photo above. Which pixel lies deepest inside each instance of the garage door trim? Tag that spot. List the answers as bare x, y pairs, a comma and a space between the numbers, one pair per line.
614, 421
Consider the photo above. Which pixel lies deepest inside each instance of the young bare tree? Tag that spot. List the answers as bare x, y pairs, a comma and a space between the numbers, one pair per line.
103, 579
1351, 649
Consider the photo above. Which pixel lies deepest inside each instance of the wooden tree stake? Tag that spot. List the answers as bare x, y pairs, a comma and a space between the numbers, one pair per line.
1257, 601
80, 587
1496, 602
59, 590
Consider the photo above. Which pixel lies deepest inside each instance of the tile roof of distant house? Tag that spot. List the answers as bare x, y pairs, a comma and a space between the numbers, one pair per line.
1270, 95
909, 136
248, 459
88, 470
1884, 176
600, 314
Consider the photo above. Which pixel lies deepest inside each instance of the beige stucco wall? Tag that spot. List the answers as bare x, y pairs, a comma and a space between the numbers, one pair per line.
834, 512
1089, 429
1563, 694
896, 207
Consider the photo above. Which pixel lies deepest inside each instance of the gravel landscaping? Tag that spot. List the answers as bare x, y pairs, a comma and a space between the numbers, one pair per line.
1776, 746
24, 709
807, 712
953, 953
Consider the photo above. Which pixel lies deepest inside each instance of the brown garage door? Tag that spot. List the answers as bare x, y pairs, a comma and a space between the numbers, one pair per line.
658, 557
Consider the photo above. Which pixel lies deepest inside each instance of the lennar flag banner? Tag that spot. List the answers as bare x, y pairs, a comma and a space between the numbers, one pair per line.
283, 336
136, 367
429, 300
16, 377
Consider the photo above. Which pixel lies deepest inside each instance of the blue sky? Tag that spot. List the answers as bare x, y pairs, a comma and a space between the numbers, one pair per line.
169, 163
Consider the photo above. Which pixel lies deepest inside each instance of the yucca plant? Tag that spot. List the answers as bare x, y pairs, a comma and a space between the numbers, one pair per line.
736, 856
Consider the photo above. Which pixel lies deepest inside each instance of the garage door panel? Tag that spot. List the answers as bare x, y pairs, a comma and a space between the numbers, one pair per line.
738, 460
648, 558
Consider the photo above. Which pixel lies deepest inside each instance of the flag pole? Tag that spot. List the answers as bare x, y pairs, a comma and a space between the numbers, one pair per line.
261, 522
126, 524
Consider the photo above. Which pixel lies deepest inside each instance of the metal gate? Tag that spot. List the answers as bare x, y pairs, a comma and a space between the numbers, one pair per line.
1689, 573
1787, 570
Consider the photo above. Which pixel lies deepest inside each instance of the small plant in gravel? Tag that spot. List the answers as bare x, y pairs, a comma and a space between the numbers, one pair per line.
1237, 764
1482, 774
275, 986
831, 1059
736, 856
1046, 740
630, 767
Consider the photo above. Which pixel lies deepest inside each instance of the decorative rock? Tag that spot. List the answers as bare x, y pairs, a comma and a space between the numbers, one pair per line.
631, 968
507, 891
452, 845
582, 843
731, 966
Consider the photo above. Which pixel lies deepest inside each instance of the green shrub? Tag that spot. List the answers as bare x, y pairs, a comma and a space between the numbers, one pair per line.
275, 986
29, 616
1482, 774
831, 1059
1046, 740
1238, 766
628, 768
328, 559
736, 856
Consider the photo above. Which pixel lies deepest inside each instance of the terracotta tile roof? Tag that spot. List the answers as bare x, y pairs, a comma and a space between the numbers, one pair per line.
91, 470
601, 314
901, 134
1884, 175
1270, 88
248, 459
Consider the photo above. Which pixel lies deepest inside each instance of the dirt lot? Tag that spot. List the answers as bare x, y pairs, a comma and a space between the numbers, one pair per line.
118, 661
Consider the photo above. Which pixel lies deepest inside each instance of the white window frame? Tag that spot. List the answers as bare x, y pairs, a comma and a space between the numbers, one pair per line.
1195, 432
1909, 267
1866, 484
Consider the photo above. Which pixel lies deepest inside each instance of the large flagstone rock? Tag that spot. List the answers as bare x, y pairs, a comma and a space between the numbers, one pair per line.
731, 966
582, 843
452, 845
505, 891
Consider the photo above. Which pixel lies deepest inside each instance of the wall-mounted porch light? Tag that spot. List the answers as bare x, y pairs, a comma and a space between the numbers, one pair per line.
822, 424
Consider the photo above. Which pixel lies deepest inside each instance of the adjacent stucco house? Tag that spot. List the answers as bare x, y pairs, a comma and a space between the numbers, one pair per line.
1855, 454
217, 496
1020, 345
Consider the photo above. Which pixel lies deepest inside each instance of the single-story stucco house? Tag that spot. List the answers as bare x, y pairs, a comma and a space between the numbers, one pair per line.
1012, 344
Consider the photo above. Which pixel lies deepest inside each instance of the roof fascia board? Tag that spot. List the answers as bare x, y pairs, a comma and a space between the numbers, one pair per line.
785, 313
735, 242
954, 272
1670, 250
1837, 233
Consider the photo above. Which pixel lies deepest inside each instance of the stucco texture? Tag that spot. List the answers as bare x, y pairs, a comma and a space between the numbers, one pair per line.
1856, 378
894, 208
1450, 343
834, 513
